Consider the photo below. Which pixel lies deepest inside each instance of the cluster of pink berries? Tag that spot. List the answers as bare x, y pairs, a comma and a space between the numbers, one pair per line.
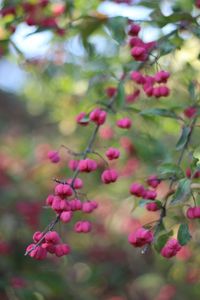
111, 91
139, 190
36, 14
152, 85
142, 237
51, 243
139, 49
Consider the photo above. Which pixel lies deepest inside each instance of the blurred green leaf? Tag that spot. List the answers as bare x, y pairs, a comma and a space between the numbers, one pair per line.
184, 235
161, 240
183, 138
116, 26
159, 112
169, 171
120, 97
183, 191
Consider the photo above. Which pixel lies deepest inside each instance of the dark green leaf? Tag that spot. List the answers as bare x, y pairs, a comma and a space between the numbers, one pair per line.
159, 112
191, 90
161, 241
183, 191
169, 171
120, 97
183, 234
183, 138
116, 26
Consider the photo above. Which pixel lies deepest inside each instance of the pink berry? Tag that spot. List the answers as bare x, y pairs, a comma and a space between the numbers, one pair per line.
49, 200
111, 91
152, 206
62, 249
98, 116
190, 112
153, 181
83, 227
137, 189
87, 165
137, 77
124, 123
38, 252
73, 164
109, 176
77, 184
54, 156
37, 236
75, 204
171, 248
52, 237
63, 190
134, 29
66, 216
81, 119
140, 237
112, 153
162, 76
149, 194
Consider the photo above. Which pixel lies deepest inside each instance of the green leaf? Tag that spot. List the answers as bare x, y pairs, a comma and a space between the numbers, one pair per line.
191, 90
196, 153
183, 234
183, 191
159, 112
161, 240
169, 171
116, 26
183, 138
120, 97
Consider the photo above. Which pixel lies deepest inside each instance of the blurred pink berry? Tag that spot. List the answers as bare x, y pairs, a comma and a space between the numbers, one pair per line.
87, 165
109, 176
82, 119
124, 123
75, 204
137, 189
190, 112
171, 248
53, 156
77, 184
112, 153
62, 249
149, 194
73, 164
52, 237
153, 181
137, 77
37, 236
111, 91
49, 200
66, 216
98, 116
140, 237
162, 76
83, 227
38, 253
63, 190
152, 206
134, 29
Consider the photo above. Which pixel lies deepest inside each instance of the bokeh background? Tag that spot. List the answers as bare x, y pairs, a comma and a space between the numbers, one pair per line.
45, 81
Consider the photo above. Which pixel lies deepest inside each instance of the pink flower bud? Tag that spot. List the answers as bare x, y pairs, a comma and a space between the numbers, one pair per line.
111, 91
49, 200
135, 41
152, 206
171, 248
134, 29
53, 156
112, 153
153, 181
37, 236
75, 204
52, 237
139, 53
124, 123
137, 189
140, 237
62, 249
66, 216
109, 176
87, 165
38, 253
89, 206
73, 164
190, 112
63, 190
83, 227
78, 183
162, 76
81, 119
98, 116
137, 77
149, 194
190, 213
